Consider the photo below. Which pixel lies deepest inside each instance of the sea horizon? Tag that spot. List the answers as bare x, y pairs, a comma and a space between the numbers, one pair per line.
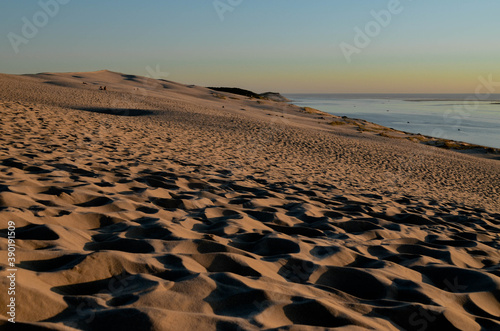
494, 97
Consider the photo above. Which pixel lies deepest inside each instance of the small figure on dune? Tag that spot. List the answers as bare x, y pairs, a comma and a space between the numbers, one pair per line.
102, 88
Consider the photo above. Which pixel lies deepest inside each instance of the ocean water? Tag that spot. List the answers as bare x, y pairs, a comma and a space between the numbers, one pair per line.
450, 116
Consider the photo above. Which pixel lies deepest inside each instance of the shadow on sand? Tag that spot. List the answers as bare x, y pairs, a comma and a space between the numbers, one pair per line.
118, 111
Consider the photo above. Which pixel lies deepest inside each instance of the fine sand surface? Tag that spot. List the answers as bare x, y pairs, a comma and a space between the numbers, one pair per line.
159, 206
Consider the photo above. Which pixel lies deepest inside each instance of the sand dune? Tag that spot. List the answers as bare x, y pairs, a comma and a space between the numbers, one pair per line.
155, 205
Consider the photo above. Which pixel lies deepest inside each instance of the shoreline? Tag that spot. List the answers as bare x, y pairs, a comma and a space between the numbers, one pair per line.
454, 144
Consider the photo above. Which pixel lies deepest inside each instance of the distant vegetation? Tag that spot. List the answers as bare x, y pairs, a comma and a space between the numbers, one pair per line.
265, 96
238, 91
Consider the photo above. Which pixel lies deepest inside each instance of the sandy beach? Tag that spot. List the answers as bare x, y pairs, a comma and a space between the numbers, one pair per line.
154, 205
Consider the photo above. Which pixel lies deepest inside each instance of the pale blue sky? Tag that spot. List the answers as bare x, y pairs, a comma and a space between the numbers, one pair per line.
279, 45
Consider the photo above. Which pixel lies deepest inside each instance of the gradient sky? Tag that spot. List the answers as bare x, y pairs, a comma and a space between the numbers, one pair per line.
279, 45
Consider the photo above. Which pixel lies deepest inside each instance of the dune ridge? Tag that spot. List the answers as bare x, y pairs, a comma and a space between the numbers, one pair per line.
156, 205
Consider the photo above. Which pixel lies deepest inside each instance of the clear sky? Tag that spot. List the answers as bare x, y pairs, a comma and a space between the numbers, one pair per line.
428, 46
